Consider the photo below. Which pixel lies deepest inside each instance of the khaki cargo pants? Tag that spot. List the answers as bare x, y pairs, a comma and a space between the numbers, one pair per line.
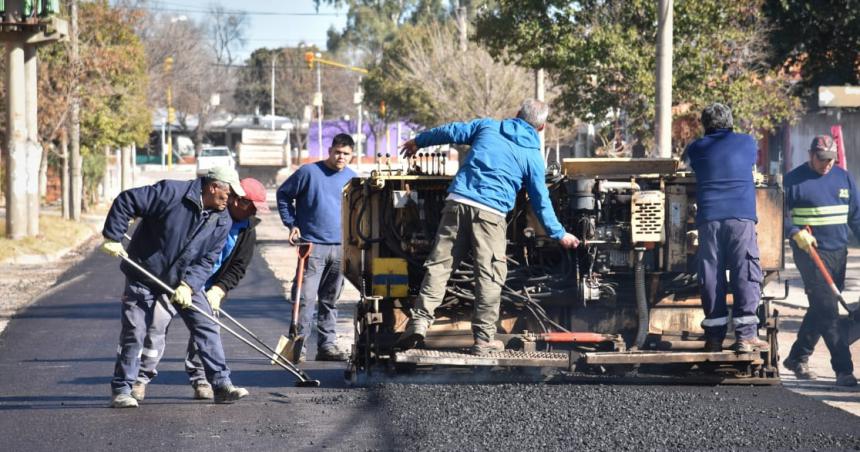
462, 229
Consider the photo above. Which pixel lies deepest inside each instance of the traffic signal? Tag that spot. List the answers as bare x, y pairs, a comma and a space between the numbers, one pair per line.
309, 58
168, 65
382, 108
171, 115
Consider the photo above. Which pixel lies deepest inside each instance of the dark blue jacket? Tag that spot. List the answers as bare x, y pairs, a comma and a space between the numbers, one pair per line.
829, 204
723, 162
171, 240
505, 155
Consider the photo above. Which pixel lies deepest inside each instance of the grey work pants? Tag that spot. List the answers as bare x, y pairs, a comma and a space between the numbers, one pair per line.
465, 228
153, 348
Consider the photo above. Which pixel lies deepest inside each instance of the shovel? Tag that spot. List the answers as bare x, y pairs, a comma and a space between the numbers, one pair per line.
291, 346
849, 327
303, 379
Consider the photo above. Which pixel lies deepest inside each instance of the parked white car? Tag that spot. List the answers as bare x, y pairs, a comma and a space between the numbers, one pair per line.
211, 157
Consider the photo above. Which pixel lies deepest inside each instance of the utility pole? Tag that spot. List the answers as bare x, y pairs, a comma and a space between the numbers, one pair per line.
664, 78
273, 91
318, 101
358, 99
168, 68
540, 94
462, 27
16, 143
34, 149
75, 118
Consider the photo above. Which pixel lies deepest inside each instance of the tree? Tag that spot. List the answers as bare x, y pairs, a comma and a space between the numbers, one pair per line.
371, 24
602, 54
823, 38
295, 84
424, 77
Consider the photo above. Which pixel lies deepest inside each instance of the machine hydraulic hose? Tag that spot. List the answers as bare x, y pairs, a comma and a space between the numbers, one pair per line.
641, 299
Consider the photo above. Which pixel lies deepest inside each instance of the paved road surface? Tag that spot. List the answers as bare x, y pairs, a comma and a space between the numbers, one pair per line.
56, 359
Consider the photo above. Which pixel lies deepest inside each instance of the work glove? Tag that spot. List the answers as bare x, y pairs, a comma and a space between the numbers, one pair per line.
182, 296
113, 248
804, 240
215, 295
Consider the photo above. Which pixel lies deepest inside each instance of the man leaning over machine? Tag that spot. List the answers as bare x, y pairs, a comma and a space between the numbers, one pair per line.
504, 156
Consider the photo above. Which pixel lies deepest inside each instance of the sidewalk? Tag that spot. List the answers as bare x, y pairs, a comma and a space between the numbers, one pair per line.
791, 312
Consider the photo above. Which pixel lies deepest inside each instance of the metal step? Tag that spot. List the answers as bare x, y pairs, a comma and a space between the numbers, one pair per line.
648, 357
507, 358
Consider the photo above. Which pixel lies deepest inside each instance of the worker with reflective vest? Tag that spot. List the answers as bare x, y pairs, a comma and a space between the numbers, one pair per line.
821, 204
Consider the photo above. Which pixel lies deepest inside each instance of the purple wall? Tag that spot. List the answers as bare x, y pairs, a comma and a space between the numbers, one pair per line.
332, 128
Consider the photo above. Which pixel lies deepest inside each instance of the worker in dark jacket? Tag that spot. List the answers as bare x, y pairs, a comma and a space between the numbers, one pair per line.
182, 228
823, 198
726, 217
228, 270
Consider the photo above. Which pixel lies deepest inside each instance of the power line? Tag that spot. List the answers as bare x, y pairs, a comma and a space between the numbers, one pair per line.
189, 10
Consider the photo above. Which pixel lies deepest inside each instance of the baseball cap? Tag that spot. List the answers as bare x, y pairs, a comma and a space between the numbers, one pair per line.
256, 192
823, 147
228, 175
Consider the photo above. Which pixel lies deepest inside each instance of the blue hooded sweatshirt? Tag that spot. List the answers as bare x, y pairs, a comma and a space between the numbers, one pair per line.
504, 156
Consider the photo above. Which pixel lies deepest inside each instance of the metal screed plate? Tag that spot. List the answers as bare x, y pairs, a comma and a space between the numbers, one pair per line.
495, 359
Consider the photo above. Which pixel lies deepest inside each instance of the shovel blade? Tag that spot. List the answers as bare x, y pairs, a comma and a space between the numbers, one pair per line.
281, 350
849, 329
289, 348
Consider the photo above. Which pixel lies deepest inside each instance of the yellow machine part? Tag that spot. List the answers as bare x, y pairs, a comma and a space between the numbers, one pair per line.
390, 277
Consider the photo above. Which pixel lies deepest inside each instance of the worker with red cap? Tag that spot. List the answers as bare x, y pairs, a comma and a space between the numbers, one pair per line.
228, 270
821, 205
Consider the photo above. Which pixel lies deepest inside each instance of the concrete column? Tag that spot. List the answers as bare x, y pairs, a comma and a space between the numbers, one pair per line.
16, 143
125, 168
34, 148
663, 128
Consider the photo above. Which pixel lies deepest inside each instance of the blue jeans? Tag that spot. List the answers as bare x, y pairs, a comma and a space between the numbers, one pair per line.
729, 244
138, 309
321, 287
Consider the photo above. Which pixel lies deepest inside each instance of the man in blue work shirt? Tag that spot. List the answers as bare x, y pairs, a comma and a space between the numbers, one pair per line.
504, 155
823, 198
309, 204
725, 195
229, 268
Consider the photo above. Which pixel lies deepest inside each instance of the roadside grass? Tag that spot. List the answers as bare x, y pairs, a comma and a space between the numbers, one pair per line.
55, 234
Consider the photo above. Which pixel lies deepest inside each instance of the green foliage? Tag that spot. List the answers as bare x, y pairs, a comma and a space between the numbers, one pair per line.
822, 37
602, 57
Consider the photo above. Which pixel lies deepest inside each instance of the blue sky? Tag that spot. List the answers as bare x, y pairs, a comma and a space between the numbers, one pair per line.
271, 24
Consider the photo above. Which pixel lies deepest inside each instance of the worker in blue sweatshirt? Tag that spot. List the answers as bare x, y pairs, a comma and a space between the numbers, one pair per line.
504, 155
309, 204
726, 217
822, 198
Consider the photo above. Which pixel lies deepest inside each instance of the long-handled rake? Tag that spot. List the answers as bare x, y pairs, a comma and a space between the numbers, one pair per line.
303, 379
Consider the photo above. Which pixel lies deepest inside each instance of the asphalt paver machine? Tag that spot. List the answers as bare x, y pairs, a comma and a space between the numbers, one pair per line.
624, 304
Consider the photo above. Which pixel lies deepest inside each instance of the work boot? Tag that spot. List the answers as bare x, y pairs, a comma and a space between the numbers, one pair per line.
229, 394
415, 332
800, 369
203, 391
713, 345
138, 391
123, 400
749, 345
846, 379
484, 348
331, 354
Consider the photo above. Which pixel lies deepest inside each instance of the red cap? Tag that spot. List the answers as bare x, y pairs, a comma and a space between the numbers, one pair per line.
256, 192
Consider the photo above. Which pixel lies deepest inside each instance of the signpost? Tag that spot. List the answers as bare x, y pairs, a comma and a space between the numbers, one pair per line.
839, 96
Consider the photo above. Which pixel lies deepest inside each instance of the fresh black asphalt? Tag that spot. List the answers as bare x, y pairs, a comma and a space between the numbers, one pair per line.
56, 358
